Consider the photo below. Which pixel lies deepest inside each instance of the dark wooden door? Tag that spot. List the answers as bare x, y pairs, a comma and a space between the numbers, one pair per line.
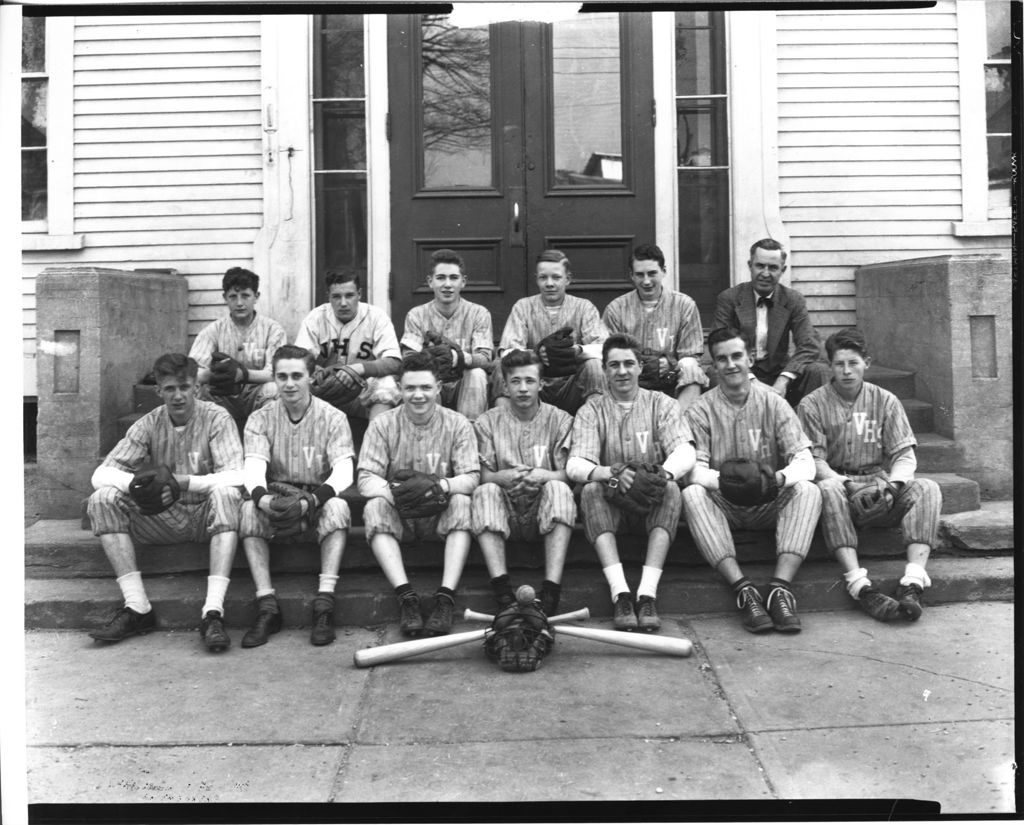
513, 138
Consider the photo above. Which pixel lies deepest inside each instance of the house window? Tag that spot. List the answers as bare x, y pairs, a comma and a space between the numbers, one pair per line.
34, 95
998, 106
702, 156
339, 117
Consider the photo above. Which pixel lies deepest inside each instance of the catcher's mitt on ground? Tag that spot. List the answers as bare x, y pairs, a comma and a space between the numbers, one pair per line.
227, 376
147, 489
338, 385
519, 637
447, 355
558, 353
646, 492
872, 500
417, 495
746, 482
287, 517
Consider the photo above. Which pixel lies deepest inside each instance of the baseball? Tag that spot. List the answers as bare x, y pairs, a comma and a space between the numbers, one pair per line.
525, 594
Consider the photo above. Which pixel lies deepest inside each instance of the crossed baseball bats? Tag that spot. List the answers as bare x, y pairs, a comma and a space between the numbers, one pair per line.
669, 645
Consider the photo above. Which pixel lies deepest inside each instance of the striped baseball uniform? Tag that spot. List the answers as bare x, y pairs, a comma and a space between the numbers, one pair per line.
764, 428
669, 328
207, 443
469, 328
505, 442
369, 336
531, 321
302, 453
444, 445
607, 432
858, 440
252, 346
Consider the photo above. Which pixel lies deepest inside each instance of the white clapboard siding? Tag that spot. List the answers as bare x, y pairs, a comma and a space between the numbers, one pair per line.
869, 145
168, 152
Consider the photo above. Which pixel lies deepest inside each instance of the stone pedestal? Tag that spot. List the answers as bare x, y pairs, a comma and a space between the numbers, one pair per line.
948, 318
99, 331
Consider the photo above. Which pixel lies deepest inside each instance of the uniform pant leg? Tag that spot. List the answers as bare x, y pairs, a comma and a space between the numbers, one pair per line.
457, 516
666, 514
709, 524
381, 516
836, 520
557, 506
490, 511
599, 516
471, 398
919, 508
798, 508
334, 515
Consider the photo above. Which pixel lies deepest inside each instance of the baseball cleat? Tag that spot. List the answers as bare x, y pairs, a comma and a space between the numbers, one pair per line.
323, 620
624, 616
781, 605
751, 605
268, 622
877, 605
123, 623
909, 598
409, 616
647, 615
439, 622
212, 632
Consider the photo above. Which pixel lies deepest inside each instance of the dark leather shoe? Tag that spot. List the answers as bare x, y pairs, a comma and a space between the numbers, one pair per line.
323, 620
268, 622
212, 632
124, 623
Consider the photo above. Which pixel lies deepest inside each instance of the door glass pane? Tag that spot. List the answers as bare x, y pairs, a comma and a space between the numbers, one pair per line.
33, 44
33, 112
341, 219
344, 135
341, 48
701, 133
456, 80
997, 99
997, 19
587, 101
699, 51
33, 184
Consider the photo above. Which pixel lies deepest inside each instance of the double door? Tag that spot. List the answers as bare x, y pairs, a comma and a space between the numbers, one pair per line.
512, 138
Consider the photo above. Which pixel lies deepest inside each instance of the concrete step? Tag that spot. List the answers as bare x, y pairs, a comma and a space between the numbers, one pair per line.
959, 494
366, 599
899, 382
938, 454
920, 415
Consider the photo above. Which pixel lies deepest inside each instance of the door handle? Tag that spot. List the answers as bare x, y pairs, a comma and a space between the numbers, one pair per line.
515, 217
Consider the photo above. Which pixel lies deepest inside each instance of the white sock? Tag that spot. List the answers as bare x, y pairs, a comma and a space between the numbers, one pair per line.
915, 574
327, 583
649, 582
134, 593
216, 588
268, 592
856, 580
616, 579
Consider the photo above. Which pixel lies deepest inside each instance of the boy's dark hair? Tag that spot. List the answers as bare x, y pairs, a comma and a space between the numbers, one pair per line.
849, 338
289, 351
344, 275
619, 340
648, 252
174, 365
518, 358
418, 362
555, 256
447, 256
727, 334
238, 278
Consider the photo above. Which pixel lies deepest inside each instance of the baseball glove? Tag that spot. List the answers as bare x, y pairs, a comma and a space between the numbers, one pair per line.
746, 482
558, 353
227, 376
646, 492
286, 516
650, 370
417, 495
868, 502
518, 638
447, 355
147, 490
338, 385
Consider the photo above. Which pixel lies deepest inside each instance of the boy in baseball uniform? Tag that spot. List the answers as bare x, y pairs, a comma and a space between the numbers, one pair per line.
304, 441
535, 318
667, 325
420, 435
460, 322
744, 419
195, 442
356, 342
860, 437
244, 342
627, 424
523, 492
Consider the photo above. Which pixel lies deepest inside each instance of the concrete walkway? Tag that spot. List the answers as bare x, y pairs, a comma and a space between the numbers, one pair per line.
848, 709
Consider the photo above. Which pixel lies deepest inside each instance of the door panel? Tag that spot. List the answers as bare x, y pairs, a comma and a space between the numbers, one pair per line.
559, 155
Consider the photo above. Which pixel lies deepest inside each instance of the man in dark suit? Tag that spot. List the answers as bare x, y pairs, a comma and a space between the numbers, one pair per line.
771, 313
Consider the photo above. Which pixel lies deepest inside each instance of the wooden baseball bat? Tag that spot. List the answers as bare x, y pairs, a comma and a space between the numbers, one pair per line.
370, 656
669, 645
574, 616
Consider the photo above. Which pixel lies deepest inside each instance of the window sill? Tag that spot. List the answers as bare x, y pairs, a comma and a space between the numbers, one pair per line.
40, 242
978, 229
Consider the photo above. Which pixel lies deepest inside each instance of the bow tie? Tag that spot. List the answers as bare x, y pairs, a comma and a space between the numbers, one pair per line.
765, 302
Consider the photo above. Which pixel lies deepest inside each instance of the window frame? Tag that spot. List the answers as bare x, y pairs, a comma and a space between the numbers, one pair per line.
971, 48
56, 231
